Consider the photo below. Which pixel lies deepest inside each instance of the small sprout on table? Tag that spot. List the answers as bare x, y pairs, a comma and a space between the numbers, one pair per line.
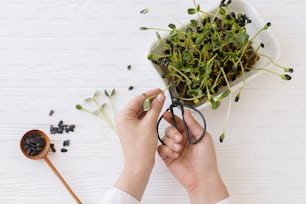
145, 11
100, 112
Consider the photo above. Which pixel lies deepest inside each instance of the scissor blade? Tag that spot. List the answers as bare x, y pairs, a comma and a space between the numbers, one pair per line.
173, 92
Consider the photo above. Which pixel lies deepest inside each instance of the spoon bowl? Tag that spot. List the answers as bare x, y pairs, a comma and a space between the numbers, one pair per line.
45, 149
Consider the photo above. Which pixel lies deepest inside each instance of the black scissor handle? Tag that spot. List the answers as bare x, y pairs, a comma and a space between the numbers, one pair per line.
186, 129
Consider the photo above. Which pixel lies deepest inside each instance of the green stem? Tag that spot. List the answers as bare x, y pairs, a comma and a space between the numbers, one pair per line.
163, 91
216, 81
96, 102
106, 119
257, 33
160, 29
286, 69
229, 103
181, 73
243, 79
264, 69
113, 110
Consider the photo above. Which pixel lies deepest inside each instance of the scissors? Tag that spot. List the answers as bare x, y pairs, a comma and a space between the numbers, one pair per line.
176, 103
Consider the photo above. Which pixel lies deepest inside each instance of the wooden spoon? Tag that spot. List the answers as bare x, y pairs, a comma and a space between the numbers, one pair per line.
43, 155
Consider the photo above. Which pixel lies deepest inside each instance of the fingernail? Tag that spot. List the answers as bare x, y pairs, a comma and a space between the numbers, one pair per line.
177, 137
160, 98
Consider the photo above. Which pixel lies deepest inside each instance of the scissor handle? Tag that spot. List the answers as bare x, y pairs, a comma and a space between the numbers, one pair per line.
186, 129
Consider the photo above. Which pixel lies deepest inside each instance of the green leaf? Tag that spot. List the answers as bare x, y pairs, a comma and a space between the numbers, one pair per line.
144, 28
215, 104
173, 34
241, 38
113, 92
208, 70
196, 100
192, 11
193, 23
158, 36
172, 26
106, 93
199, 39
225, 93
144, 11
187, 55
222, 11
96, 94
150, 57
198, 8
146, 104
78, 106
222, 137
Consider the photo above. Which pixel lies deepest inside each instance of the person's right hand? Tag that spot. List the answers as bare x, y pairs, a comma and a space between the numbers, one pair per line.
194, 165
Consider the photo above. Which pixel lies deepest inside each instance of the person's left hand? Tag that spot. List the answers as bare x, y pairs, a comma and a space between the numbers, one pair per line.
138, 136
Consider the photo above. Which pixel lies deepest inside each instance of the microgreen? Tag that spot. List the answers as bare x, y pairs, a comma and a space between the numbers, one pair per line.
205, 57
147, 101
100, 108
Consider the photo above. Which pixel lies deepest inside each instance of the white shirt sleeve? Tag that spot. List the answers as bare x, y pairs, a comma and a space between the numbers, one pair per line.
117, 196
226, 201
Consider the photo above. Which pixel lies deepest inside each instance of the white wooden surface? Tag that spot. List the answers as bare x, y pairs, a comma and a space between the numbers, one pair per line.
54, 54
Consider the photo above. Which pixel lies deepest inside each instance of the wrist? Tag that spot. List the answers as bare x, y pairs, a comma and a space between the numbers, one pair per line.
209, 190
139, 165
134, 178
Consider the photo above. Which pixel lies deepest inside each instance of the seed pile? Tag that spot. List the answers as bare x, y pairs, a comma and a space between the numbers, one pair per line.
61, 128
34, 144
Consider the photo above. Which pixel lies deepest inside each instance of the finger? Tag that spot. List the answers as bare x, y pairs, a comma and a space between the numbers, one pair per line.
179, 123
174, 134
166, 153
156, 106
194, 127
135, 106
172, 144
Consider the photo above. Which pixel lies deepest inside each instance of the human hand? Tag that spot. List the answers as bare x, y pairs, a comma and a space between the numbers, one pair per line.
194, 165
138, 136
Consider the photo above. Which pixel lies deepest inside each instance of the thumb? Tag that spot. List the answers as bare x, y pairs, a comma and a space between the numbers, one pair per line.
156, 106
194, 127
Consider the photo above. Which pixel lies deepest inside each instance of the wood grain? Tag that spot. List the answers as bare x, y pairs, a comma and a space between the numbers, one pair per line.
54, 54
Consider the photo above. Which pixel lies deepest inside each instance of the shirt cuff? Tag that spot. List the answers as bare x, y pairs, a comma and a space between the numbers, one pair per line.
117, 196
225, 201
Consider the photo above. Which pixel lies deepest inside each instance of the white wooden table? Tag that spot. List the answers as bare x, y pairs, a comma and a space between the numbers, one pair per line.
54, 54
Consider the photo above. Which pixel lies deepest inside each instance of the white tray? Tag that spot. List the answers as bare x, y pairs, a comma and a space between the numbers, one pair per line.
271, 48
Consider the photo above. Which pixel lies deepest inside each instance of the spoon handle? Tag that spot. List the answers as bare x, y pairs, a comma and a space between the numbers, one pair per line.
62, 180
